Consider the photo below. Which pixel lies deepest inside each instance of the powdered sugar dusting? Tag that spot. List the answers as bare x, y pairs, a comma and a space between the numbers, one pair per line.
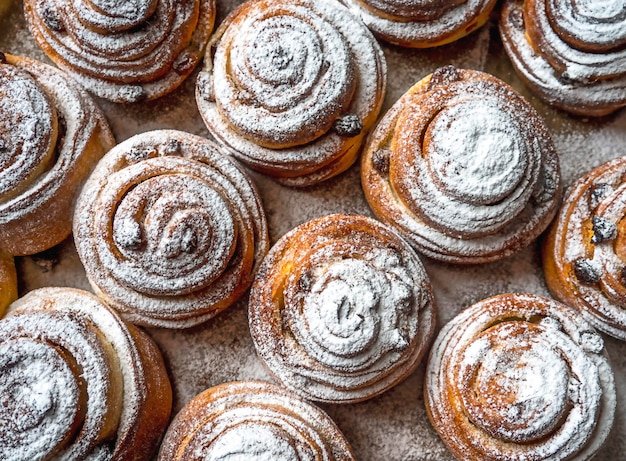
324, 152
253, 419
138, 54
353, 312
457, 21
105, 366
423, 200
521, 374
593, 89
48, 192
184, 229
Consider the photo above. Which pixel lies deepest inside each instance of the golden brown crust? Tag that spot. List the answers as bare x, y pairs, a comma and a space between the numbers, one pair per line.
292, 87
86, 383
519, 376
572, 55
44, 168
422, 23
8, 282
250, 419
463, 167
341, 309
584, 252
123, 51
169, 229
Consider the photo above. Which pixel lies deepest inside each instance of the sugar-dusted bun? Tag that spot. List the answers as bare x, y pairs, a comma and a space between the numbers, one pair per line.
422, 23
571, 53
78, 382
463, 167
169, 229
520, 377
292, 87
51, 136
584, 253
252, 420
123, 51
341, 309
8, 281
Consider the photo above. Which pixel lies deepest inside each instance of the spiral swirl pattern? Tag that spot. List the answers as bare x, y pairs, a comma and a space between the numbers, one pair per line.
422, 23
464, 167
520, 377
253, 419
76, 381
572, 53
292, 87
170, 231
585, 249
51, 134
341, 309
120, 50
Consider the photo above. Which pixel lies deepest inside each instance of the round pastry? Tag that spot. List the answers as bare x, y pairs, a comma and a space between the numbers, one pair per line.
585, 250
170, 231
463, 167
51, 135
78, 382
124, 51
8, 281
292, 87
520, 377
571, 53
422, 23
341, 309
252, 420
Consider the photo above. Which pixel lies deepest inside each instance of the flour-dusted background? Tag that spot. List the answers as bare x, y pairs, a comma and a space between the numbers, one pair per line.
393, 426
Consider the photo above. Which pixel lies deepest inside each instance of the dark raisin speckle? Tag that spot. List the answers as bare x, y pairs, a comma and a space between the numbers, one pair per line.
3, 58
598, 193
348, 125
380, 160
603, 230
586, 271
52, 19
622, 276
516, 18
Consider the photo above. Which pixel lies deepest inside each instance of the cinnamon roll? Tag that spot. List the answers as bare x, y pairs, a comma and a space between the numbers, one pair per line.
170, 231
78, 382
51, 135
585, 250
571, 53
8, 281
341, 309
123, 51
422, 23
291, 87
463, 167
519, 376
252, 420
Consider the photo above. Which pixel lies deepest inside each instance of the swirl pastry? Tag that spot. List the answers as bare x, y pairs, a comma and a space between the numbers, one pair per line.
51, 135
78, 382
520, 377
422, 23
124, 51
170, 231
8, 281
571, 53
463, 166
584, 255
341, 309
292, 87
252, 420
